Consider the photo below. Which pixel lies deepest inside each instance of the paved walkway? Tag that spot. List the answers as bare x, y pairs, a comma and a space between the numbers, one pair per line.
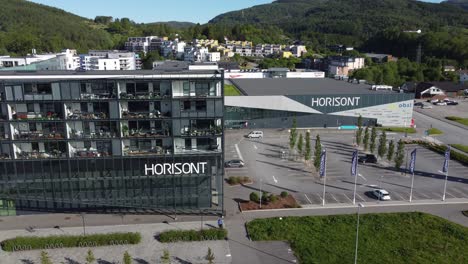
149, 250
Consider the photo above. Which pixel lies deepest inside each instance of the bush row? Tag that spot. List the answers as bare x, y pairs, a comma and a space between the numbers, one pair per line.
233, 180
67, 241
192, 235
266, 197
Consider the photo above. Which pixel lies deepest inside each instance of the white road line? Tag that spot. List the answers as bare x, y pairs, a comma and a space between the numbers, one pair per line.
400, 196
425, 195
447, 193
458, 191
362, 176
238, 152
334, 198
359, 196
307, 198
255, 147
349, 199
274, 179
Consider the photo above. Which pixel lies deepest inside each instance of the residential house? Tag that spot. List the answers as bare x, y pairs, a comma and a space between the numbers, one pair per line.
343, 65
430, 89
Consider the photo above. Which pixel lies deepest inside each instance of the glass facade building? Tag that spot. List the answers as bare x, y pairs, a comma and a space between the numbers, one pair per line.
88, 141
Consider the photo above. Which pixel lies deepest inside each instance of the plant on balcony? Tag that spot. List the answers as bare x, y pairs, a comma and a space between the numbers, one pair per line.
125, 130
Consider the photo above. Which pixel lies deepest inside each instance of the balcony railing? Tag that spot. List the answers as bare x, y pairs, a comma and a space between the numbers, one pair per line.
36, 116
97, 96
83, 135
86, 115
147, 152
41, 155
199, 149
4, 156
31, 135
143, 96
140, 133
142, 115
90, 153
202, 131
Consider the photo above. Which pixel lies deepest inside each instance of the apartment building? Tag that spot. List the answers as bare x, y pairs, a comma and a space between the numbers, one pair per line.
108, 141
109, 60
343, 65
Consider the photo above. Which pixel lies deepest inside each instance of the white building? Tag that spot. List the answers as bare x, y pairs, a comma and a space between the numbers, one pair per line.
214, 56
139, 44
194, 54
298, 50
342, 66
66, 60
102, 60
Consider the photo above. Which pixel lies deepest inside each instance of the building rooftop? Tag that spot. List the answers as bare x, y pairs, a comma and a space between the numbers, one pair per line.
290, 86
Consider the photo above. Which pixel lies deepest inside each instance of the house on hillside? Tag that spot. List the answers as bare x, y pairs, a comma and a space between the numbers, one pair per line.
430, 89
381, 58
343, 65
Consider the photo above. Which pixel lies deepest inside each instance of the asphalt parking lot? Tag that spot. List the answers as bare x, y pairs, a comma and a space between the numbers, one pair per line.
273, 172
442, 111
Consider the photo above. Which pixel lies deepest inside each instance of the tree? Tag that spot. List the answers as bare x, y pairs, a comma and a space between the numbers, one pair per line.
391, 150
293, 134
373, 138
127, 259
166, 258
318, 152
300, 144
358, 136
365, 141
382, 149
400, 154
45, 259
90, 257
210, 256
307, 146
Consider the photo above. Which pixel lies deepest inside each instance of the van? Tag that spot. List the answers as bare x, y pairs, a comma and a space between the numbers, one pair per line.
255, 134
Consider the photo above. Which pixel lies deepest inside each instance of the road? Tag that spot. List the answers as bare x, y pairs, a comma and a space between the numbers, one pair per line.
452, 134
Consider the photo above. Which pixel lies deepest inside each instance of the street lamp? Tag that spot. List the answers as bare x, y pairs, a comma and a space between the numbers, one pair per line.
357, 233
83, 220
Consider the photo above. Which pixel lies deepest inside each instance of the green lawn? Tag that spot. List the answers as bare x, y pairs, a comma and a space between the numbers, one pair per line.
383, 238
461, 120
231, 90
409, 130
434, 131
461, 147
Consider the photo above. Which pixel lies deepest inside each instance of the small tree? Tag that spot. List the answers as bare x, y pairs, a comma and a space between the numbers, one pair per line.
359, 136
382, 150
308, 149
45, 259
293, 134
373, 137
210, 256
127, 259
359, 121
365, 140
400, 154
166, 258
300, 144
90, 257
318, 152
391, 150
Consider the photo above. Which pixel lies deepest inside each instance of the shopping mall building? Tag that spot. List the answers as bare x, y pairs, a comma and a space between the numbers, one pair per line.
111, 141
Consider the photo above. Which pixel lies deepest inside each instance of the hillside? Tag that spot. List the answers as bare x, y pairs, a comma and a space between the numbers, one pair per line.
352, 20
460, 3
25, 25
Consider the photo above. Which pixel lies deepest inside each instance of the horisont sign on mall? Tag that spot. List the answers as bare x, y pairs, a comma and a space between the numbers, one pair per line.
336, 101
175, 168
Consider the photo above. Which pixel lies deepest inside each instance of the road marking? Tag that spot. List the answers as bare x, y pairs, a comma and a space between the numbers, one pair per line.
255, 147
334, 198
274, 179
307, 198
349, 199
362, 176
400, 196
359, 196
425, 195
447, 193
238, 152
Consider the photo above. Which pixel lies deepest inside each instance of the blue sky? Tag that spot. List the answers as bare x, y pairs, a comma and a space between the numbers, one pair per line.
198, 11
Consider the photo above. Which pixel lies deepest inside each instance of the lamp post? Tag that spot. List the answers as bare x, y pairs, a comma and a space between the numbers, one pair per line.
357, 233
84, 225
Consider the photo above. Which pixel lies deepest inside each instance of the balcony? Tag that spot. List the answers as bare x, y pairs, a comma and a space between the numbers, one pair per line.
202, 132
4, 156
146, 133
97, 96
143, 115
143, 96
200, 149
90, 153
92, 135
36, 116
87, 115
33, 135
54, 154
147, 152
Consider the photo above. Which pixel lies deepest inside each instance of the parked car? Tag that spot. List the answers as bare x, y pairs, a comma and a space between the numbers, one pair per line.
255, 134
381, 194
369, 158
234, 164
452, 103
440, 103
418, 104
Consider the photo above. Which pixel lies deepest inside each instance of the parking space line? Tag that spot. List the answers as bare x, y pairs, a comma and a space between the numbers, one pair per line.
349, 199
359, 196
399, 196
334, 198
462, 191
456, 191
307, 198
238, 152
447, 193
362, 176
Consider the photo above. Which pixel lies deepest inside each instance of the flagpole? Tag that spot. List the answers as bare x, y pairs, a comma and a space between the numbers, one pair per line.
412, 165
355, 178
324, 179
411, 192
446, 173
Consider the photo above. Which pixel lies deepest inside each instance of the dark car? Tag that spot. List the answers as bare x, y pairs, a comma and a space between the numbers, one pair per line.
234, 164
369, 158
419, 104
452, 103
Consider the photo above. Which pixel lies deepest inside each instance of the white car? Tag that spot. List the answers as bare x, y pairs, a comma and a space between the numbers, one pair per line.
381, 194
426, 106
255, 134
440, 103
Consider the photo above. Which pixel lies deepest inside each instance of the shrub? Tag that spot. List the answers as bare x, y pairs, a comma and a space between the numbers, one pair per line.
210, 256
192, 235
166, 258
233, 180
265, 197
45, 259
245, 179
90, 257
254, 197
273, 198
284, 194
67, 241
434, 131
127, 259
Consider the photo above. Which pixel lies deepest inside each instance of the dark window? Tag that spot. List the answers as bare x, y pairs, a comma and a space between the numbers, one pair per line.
186, 105
201, 105
30, 108
44, 88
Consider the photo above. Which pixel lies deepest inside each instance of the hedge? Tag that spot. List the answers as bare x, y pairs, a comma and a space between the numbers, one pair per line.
67, 241
192, 235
